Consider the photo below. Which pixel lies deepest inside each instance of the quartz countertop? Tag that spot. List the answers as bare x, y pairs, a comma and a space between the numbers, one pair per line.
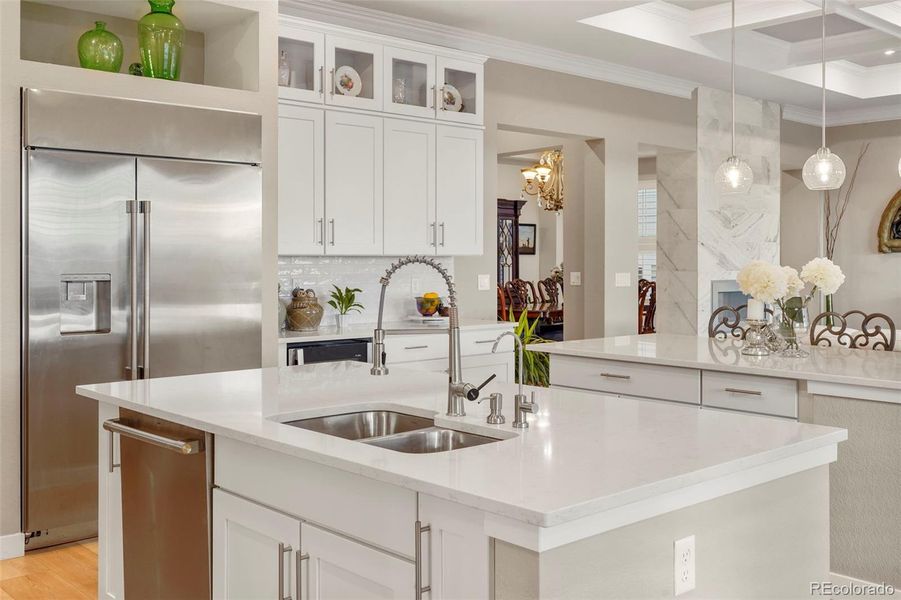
868, 368
584, 454
364, 330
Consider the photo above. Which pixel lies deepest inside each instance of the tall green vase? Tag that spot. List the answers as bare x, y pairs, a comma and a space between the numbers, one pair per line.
100, 49
161, 36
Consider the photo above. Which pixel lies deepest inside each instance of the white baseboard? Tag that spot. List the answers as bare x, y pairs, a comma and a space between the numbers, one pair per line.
845, 579
12, 545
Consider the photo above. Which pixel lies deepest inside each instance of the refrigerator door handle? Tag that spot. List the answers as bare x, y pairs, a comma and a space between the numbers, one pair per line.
144, 206
131, 369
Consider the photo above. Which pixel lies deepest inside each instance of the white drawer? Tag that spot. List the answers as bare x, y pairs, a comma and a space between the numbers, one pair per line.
407, 348
631, 379
378, 513
480, 341
750, 393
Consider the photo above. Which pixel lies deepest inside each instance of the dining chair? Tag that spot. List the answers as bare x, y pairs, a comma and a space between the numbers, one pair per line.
550, 291
517, 292
726, 321
647, 306
502, 314
876, 330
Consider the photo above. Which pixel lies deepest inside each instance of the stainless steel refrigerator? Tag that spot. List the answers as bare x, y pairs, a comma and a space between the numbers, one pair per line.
140, 258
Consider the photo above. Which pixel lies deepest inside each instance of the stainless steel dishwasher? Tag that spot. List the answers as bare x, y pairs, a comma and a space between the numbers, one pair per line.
166, 472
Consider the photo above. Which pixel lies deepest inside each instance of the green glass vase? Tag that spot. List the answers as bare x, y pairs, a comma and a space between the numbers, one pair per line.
161, 36
100, 49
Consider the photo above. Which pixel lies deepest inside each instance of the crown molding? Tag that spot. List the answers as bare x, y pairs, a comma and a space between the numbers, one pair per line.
498, 48
374, 21
810, 116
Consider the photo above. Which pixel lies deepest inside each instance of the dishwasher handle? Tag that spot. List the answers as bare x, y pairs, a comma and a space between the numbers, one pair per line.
179, 446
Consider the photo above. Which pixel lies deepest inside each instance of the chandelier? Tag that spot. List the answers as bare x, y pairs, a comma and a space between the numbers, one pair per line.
545, 180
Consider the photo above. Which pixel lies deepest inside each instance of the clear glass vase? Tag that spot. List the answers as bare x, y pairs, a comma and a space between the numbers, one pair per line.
161, 36
100, 49
792, 322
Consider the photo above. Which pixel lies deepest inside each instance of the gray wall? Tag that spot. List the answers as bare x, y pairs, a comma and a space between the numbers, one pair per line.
865, 483
769, 541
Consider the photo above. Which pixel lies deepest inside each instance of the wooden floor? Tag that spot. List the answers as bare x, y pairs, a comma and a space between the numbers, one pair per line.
57, 573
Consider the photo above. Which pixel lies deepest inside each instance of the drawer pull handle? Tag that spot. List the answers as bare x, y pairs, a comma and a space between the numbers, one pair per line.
745, 392
616, 376
415, 347
484, 341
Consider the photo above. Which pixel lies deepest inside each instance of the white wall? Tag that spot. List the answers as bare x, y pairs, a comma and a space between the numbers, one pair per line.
533, 99
549, 250
873, 280
319, 273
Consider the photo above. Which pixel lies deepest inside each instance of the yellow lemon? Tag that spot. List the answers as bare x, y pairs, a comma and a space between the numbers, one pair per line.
430, 295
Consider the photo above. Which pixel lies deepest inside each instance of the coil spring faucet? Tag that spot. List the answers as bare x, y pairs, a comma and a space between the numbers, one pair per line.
457, 389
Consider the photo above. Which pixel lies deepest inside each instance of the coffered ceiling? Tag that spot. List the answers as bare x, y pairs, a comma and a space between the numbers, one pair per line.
669, 46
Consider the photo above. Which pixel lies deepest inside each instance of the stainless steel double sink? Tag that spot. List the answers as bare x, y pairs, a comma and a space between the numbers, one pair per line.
393, 430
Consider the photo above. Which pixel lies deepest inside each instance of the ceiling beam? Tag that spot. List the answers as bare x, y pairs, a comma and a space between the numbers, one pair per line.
858, 15
844, 46
749, 14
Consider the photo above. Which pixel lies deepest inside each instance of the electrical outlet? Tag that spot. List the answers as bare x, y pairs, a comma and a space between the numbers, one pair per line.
623, 279
575, 278
415, 286
684, 565
484, 282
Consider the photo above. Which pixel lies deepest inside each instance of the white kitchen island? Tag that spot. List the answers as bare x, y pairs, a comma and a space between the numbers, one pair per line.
585, 503
859, 390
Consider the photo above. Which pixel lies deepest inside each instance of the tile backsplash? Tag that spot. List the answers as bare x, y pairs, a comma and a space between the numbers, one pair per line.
319, 273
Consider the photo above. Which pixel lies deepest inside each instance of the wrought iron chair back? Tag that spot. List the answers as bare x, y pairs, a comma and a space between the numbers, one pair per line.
725, 322
877, 331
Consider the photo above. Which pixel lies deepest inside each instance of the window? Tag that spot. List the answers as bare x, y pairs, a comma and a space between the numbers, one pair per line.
647, 265
647, 231
647, 212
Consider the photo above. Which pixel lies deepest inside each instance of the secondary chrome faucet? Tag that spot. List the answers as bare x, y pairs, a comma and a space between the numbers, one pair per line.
521, 405
457, 389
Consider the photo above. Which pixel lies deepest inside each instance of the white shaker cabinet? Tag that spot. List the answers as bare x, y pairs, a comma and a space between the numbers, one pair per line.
409, 82
353, 184
305, 54
301, 189
339, 569
254, 550
459, 193
348, 58
466, 77
410, 226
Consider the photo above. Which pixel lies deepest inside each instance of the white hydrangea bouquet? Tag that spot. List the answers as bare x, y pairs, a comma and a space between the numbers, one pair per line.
790, 292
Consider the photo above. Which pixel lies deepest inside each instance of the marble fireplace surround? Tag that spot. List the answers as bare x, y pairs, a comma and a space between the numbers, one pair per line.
703, 236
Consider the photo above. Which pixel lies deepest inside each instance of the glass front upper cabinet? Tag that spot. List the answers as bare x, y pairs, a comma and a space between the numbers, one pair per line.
301, 66
353, 77
409, 82
460, 90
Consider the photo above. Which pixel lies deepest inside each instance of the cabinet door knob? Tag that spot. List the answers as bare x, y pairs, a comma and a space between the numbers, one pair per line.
442, 233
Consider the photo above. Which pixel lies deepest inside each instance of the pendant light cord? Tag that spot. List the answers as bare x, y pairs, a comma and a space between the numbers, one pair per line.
823, 54
733, 78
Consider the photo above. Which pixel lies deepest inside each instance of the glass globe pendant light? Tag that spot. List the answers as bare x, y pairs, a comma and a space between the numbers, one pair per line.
823, 170
734, 176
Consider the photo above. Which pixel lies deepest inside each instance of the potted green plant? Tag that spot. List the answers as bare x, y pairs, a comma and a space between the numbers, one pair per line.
344, 301
536, 364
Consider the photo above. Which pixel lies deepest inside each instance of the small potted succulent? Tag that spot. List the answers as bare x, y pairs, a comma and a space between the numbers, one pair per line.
344, 301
